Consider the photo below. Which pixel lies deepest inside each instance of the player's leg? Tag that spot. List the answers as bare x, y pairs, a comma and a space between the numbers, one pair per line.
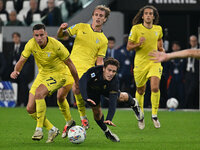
133, 103
155, 98
99, 118
82, 111
64, 108
140, 97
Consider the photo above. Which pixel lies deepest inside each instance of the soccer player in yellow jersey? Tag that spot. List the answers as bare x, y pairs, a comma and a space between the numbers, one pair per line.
89, 48
52, 59
145, 36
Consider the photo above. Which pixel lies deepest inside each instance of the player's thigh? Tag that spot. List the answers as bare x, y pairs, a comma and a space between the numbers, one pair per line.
155, 70
140, 77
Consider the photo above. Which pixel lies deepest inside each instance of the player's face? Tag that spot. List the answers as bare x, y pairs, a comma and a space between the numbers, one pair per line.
40, 37
148, 16
109, 72
98, 17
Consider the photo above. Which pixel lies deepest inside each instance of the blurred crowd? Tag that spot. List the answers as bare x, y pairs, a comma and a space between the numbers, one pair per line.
29, 12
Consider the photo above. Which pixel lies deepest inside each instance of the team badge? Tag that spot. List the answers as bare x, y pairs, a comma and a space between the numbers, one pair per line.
93, 75
48, 54
156, 33
97, 40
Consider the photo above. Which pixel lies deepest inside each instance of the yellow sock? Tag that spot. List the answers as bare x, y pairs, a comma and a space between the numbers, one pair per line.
47, 124
41, 111
155, 99
65, 110
81, 105
140, 99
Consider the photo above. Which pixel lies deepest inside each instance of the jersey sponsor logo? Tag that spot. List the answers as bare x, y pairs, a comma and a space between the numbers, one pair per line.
73, 26
97, 41
93, 75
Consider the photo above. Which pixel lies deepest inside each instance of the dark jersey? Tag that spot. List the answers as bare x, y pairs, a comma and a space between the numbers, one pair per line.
92, 86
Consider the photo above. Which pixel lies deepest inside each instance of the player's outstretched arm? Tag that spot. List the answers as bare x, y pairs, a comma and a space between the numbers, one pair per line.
62, 32
18, 67
161, 56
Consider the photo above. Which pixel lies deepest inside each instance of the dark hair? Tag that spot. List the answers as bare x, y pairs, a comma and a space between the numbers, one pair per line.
138, 18
16, 33
111, 38
111, 61
177, 43
38, 27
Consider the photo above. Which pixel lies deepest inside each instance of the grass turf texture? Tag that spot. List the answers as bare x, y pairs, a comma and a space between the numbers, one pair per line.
179, 131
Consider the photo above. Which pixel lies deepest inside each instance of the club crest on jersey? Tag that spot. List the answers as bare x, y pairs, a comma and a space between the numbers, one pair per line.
97, 40
130, 34
93, 75
48, 54
156, 33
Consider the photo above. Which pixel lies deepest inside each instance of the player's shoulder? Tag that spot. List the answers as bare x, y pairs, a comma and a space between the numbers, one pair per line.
157, 27
31, 42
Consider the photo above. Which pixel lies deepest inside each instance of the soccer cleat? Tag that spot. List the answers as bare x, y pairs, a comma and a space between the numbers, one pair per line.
52, 135
141, 124
138, 112
66, 129
111, 136
38, 135
85, 123
156, 122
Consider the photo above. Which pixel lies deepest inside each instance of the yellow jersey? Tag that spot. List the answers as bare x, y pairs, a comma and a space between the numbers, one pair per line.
88, 45
49, 59
151, 43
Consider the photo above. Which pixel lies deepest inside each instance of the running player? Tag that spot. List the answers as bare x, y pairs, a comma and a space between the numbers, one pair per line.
102, 80
51, 58
89, 48
145, 36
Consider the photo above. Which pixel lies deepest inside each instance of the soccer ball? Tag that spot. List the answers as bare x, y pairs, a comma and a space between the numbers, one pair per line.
76, 134
172, 103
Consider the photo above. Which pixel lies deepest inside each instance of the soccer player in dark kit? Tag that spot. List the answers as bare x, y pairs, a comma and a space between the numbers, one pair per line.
102, 80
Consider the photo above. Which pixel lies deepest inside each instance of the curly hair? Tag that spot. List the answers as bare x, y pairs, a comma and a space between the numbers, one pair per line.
138, 18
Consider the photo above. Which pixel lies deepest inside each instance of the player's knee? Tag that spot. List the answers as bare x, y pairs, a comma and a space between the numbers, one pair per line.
29, 109
140, 91
155, 89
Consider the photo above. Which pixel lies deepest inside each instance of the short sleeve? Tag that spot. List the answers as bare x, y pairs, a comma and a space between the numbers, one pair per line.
72, 30
132, 35
161, 33
27, 49
62, 51
103, 49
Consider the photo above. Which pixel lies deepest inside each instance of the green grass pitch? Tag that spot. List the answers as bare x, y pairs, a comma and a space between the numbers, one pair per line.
179, 131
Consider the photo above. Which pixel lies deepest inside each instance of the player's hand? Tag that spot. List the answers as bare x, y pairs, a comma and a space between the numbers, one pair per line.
158, 56
75, 89
110, 123
91, 101
142, 39
64, 26
14, 74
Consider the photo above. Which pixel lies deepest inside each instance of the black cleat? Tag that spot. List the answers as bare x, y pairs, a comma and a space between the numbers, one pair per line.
138, 112
113, 137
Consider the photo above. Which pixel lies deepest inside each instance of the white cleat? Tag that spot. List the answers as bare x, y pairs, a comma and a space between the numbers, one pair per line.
38, 135
52, 135
156, 122
141, 124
